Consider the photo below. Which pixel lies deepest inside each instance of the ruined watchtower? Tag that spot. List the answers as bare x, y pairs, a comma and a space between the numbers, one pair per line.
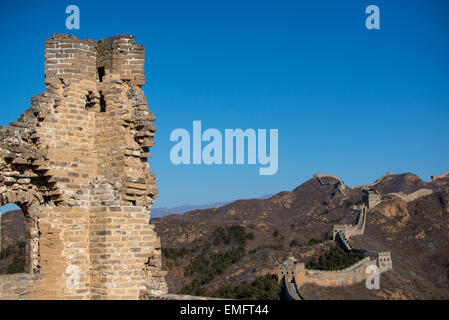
76, 163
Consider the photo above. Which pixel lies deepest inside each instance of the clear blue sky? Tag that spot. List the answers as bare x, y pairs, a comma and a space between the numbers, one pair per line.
346, 100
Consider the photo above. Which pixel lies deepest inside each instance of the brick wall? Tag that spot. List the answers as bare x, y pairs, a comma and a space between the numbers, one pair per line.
76, 161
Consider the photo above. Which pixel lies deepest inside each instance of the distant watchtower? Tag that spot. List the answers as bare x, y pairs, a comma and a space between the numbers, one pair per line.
291, 268
384, 261
372, 198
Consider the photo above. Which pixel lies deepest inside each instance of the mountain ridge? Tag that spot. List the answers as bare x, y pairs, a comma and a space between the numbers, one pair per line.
305, 215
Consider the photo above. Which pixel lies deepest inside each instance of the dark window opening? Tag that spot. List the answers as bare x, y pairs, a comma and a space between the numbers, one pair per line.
89, 102
100, 73
102, 102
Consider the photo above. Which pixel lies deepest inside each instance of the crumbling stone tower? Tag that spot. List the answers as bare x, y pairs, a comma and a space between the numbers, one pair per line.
76, 163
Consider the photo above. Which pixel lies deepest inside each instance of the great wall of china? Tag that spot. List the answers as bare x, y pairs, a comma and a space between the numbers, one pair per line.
292, 274
412, 196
